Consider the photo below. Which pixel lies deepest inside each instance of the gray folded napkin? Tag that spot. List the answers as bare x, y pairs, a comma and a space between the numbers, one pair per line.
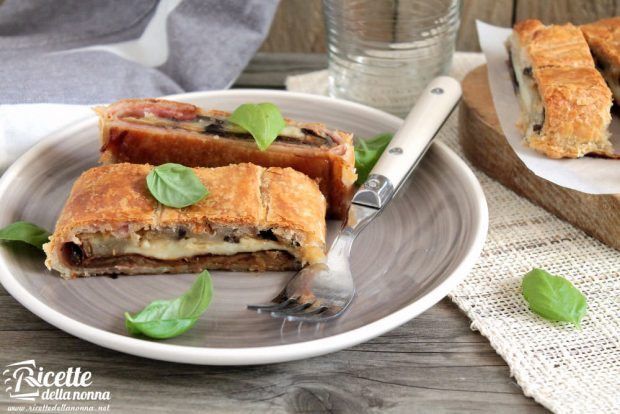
86, 51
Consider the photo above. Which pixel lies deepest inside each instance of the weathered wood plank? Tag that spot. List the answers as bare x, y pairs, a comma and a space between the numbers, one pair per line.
434, 363
562, 11
497, 12
297, 27
269, 70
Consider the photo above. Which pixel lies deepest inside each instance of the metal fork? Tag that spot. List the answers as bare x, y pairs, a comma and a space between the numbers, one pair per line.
323, 291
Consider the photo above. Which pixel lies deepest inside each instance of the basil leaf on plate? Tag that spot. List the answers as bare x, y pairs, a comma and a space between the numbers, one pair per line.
175, 185
368, 152
163, 319
553, 297
26, 232
263, 121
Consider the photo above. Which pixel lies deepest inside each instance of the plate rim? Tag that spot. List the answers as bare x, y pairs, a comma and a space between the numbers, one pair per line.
247, 355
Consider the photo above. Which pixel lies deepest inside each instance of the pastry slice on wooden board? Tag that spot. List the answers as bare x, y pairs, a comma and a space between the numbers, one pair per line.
486, 147
565, 103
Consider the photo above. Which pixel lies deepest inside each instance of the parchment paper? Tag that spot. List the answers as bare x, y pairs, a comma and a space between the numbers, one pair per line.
588, 175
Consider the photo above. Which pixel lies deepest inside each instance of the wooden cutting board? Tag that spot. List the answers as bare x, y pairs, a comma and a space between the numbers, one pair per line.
486, 147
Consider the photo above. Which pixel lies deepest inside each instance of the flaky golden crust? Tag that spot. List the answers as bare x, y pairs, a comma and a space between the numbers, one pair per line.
287, 202
288, 207
557, 45
562, 46
603, 37
577, 103
574, 96
108, 196
123, 141
234, 199
115, 199
525, 29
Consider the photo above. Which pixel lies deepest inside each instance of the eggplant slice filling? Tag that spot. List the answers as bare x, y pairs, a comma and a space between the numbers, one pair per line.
221, 127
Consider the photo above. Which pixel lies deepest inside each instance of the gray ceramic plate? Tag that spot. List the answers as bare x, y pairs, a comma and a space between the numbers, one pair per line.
405, 261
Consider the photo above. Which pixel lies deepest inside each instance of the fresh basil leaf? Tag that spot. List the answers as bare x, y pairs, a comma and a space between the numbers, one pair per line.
367, 153
263, 121
175, 185
163, 319
26, 232
553, 297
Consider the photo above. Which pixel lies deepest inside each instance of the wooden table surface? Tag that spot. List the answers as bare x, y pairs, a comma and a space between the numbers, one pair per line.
434, 363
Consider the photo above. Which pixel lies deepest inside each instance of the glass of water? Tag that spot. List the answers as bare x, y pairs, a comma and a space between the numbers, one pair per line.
383, 53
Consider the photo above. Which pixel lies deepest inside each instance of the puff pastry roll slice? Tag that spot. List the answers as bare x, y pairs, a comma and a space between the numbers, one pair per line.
537, 45
156, 131
565, 103
253, 219
603, 37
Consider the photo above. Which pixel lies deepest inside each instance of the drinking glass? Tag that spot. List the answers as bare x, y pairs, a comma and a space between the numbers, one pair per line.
383, 53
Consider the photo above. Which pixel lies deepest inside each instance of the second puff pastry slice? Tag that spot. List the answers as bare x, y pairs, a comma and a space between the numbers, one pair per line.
253, 218
565, 103
157, 131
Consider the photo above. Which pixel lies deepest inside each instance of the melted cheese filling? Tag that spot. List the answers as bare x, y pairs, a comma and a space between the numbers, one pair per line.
532, 110
165, 248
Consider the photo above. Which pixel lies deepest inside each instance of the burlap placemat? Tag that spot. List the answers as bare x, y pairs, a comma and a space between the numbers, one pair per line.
563, 368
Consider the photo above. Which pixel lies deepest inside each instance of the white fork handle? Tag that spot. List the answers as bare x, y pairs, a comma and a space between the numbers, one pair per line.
410, 143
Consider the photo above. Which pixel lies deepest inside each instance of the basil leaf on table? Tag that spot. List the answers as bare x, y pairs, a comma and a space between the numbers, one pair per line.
175, 185
553, 297
263, 121
23, 231
367, 153
163, 319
